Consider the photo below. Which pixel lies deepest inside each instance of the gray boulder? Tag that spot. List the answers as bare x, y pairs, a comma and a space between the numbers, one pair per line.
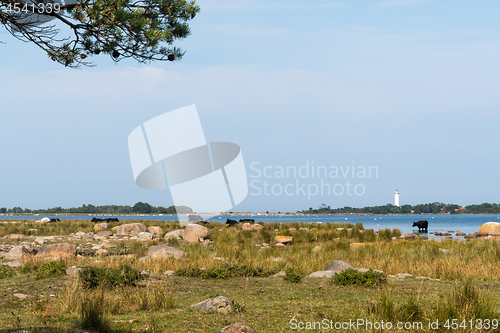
163, 252
322, 274
103, 234
41, 241
15, 236
179, 234
57, 251
131, 229
100, 227
338, 266
14, 263
279, 274
17, 252
145, 237
219, 304
195, 232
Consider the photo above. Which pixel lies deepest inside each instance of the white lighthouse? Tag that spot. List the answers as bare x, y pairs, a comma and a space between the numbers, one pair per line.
396, 199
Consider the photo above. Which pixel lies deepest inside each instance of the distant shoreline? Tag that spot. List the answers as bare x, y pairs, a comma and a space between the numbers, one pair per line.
242, 214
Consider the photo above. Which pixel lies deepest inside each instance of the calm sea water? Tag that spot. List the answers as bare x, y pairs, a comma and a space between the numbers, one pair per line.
464, 223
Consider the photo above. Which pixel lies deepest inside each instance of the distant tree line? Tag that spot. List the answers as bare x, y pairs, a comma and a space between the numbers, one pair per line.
138, 208
429, 208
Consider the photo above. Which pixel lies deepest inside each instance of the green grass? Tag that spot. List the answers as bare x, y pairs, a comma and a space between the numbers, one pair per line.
469, 286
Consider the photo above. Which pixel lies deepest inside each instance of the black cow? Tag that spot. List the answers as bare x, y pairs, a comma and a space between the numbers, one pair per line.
112, 219
421, 225
97, 220
251, 221
54, 220
231, 223
194, 218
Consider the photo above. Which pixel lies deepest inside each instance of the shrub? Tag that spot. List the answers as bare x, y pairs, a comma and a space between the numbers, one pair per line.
291, 276
93, 277
6, 272
29, 268
354, 277
51, 269
224, 271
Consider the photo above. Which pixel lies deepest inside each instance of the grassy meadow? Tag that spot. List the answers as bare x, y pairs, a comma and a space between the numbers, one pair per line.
468, 287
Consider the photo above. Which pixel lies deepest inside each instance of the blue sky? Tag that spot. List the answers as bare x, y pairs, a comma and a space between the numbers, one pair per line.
408, 86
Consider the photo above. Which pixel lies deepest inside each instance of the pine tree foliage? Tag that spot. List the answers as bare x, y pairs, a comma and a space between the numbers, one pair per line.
144, 30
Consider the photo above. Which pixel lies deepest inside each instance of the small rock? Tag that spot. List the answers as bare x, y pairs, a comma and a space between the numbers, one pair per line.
21, 296
322, 274
73, 270
280, 245
155, 230
100, 227
103, 234
169, 273
277, 259
237, 328
252, 227
279, 274
283, 239
460, 233
402, 276
163, 252
178, 234
317, 248
15, 236
338, 266
145, 237
444, 251
218, 304
14, 263
41, 241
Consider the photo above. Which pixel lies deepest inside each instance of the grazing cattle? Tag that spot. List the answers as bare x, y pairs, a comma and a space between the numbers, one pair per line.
54, 220
231, 223
113, 219
421, 225
97, 220
194, 218
251, 221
